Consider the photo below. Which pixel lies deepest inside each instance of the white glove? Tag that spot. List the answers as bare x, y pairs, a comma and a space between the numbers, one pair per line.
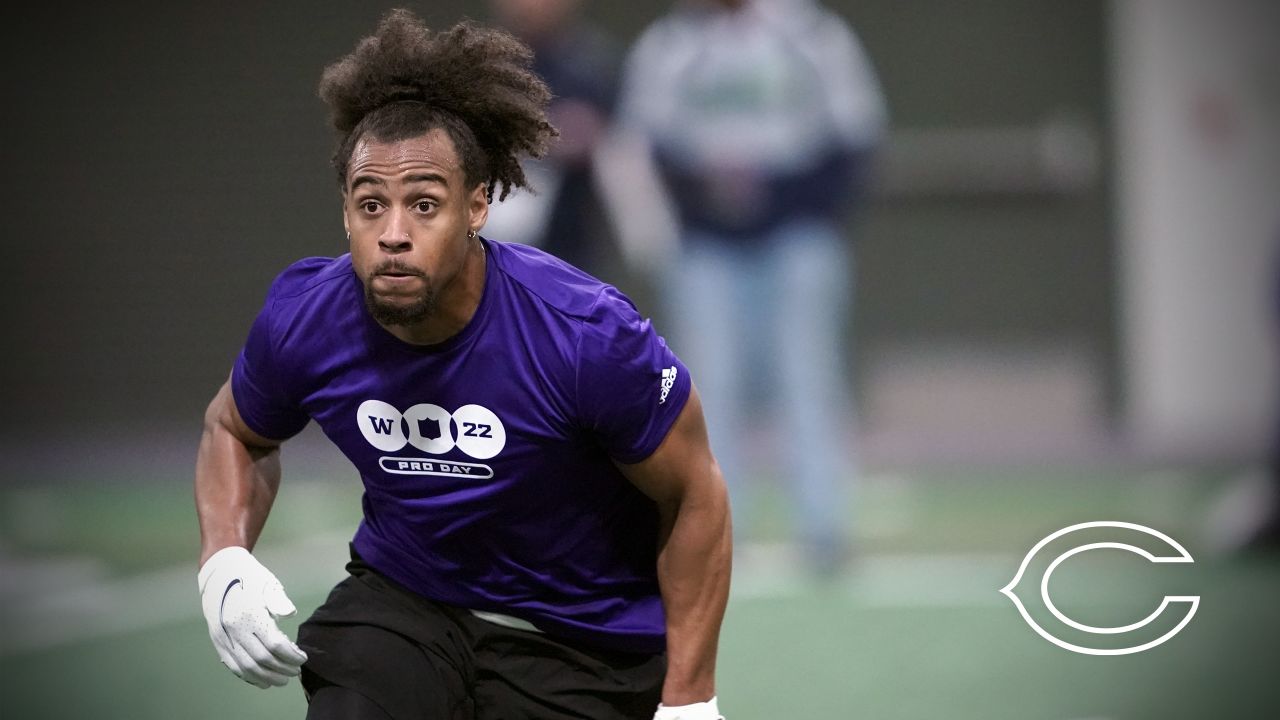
241, 601
697, 711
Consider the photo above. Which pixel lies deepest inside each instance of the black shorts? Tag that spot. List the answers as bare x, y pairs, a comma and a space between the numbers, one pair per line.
421, 660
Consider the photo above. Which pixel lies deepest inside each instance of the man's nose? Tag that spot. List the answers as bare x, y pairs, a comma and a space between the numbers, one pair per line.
395, 234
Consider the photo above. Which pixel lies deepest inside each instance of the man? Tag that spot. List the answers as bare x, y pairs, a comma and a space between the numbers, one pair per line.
578, 61
546, 533
762, 117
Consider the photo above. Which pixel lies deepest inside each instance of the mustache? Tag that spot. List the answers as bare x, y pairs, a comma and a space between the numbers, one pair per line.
396, 267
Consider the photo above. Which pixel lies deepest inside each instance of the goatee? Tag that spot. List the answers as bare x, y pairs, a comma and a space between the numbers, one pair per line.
390, 314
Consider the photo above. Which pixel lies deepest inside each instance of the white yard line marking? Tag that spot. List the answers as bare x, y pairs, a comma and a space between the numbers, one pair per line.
102, 608
98, 608
882, 580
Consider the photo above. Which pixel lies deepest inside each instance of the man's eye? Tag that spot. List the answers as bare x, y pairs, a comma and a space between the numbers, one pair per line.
369, 206
425, 206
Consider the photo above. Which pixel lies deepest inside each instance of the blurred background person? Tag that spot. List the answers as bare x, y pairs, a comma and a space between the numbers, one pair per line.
762, 117
1245, 519
579, 62
1264, 536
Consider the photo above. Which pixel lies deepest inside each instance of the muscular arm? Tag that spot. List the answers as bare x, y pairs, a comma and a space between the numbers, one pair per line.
237, 475
695, 551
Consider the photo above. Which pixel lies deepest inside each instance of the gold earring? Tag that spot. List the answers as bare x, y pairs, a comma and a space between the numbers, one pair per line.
348, 235
471, 234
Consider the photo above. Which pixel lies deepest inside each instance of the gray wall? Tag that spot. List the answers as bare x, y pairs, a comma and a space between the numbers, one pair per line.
165, 160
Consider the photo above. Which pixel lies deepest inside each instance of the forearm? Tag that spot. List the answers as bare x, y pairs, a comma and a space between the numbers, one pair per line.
235, 487
693, 573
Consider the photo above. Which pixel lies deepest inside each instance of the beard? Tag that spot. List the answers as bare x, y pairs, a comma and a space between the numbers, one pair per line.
416, 309
388, 313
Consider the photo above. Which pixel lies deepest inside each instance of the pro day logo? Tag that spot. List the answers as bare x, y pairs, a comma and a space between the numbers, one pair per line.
473, 429
1167, 620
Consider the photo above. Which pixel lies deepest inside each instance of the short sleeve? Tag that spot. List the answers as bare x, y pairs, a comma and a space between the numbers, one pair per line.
630, 387
256, 383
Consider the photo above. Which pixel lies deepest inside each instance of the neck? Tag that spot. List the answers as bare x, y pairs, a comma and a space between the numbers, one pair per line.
457, 304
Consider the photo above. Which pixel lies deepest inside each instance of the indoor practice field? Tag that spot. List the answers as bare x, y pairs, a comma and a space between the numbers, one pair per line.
101, 616
1065, 285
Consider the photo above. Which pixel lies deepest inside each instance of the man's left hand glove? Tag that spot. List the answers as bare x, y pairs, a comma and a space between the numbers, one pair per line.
697, 711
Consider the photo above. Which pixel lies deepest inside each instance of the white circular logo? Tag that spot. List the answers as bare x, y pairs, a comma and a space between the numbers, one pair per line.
381, 424
480, 432
473, 429
430, 428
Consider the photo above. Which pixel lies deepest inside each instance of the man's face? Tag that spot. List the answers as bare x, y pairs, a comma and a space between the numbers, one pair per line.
408, 211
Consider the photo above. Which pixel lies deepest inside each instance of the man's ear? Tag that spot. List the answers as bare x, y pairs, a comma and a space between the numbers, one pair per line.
346, 224
478, 207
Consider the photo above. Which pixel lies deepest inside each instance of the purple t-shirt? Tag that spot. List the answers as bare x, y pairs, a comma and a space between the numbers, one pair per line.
487, 459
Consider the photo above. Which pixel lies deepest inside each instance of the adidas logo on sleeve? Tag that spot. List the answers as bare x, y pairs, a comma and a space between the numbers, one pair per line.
668, 382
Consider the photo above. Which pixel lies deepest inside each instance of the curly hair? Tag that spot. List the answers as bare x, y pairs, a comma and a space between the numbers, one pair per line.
474, 83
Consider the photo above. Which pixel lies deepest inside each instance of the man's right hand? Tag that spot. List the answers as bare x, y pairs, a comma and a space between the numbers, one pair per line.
241, 600
709, 710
